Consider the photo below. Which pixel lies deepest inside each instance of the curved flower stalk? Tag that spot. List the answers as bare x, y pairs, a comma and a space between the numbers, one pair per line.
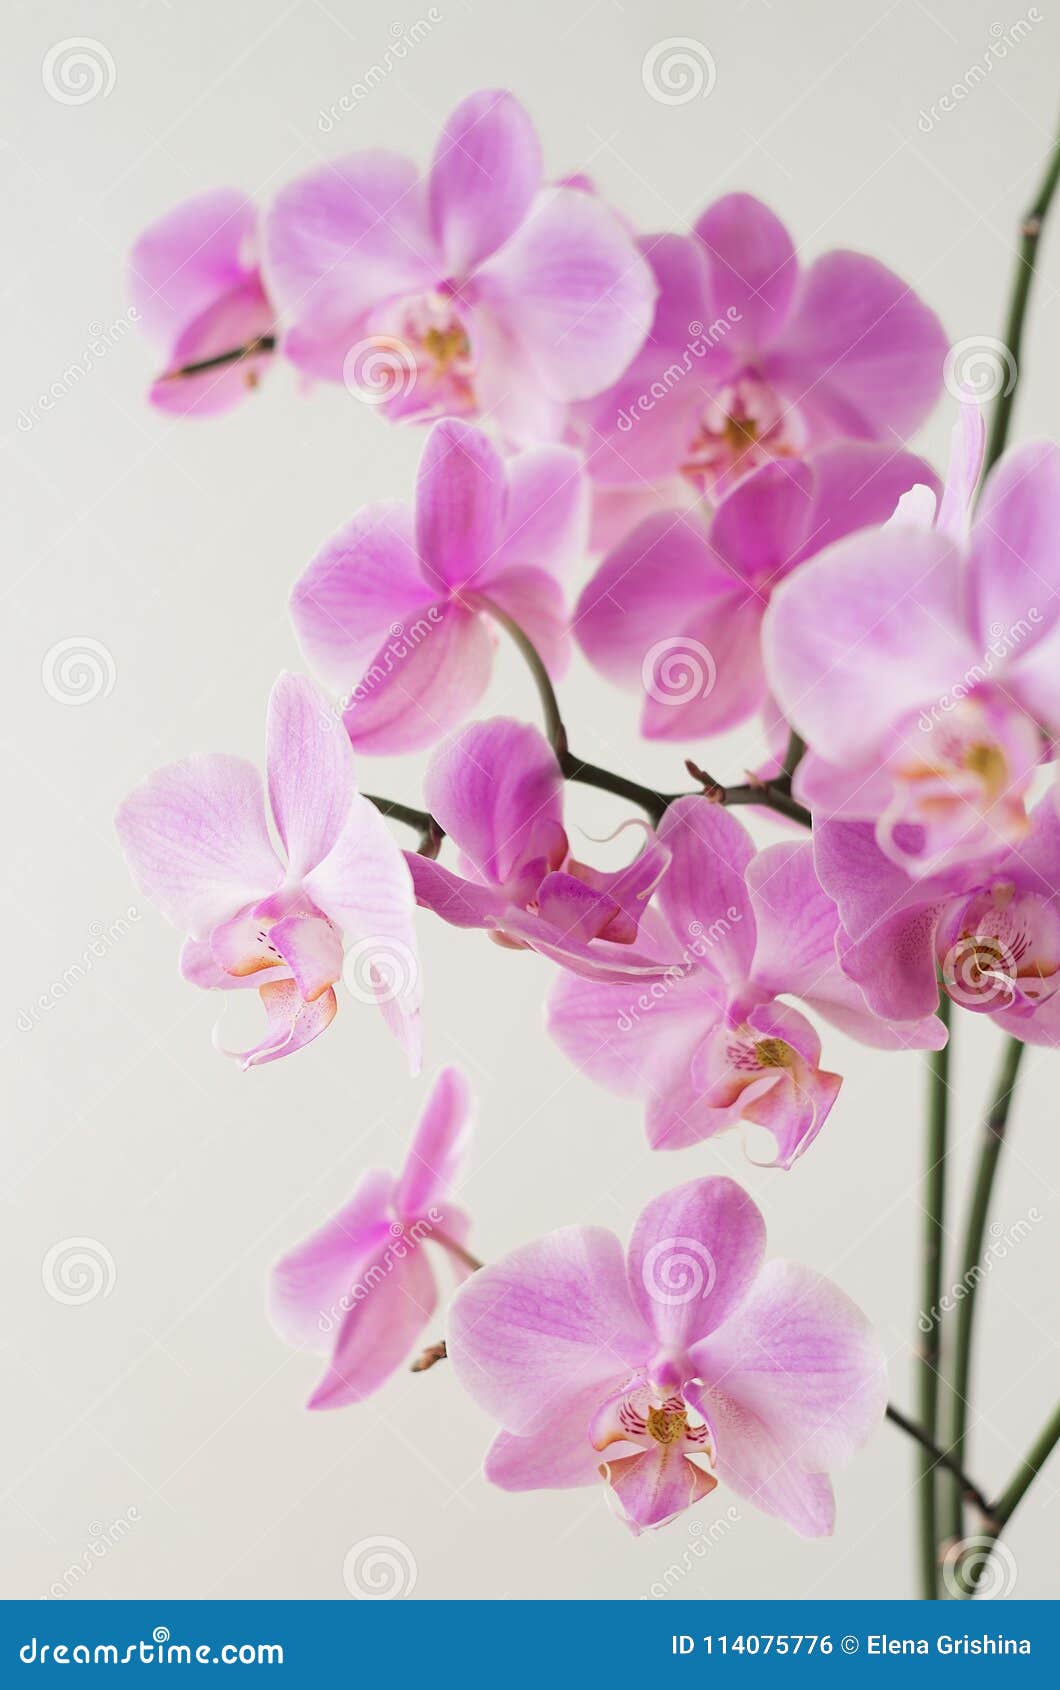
395, 610
362, 1289
676, 608
710, 1044
195, 284
196, 838
497, 790
667, 1369
472, 290
988, 931
750, 358
921, 672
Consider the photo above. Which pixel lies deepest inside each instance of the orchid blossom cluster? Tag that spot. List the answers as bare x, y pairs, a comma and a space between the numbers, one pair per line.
712, 436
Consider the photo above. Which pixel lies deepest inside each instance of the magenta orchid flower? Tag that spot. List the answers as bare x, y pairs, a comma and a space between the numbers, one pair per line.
667, 1368
989, 931
473, 290
751, 358
395, 611
361, 1290
921, 670
196, 838
497, 790
196, 286
676, 609
709, 1044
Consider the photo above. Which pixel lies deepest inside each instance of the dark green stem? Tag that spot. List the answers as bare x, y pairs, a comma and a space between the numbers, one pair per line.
1026, 260
1016, 1490
934, 1204
994, 1127
943, 1458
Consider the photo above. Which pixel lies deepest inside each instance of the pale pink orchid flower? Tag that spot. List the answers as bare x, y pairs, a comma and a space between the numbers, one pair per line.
330, 897
922, 664
361, 1290
664, 1370
195, 285
751, 357
497, 790
988, 931
473, 290
709, 1043
397, 611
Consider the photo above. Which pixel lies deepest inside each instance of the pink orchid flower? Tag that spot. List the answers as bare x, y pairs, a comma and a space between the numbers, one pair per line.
497, 790
667, 1368
196, 838
394, 611
709, 1044
989, 930
195, 285
751, 358
473, 290
361, 1290
676, 609
921, 667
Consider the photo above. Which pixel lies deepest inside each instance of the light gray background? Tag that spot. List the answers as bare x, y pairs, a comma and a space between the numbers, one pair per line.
170, 1401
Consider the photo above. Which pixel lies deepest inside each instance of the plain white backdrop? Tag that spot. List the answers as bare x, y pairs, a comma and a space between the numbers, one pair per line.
165, 1401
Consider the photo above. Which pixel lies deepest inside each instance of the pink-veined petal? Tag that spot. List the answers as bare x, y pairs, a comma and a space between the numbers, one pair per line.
693, 1257
391, 1305
753, 268
749, 1458
860, 354
308, 1289
544, 1323
196, 840
497, 791
704, 888
310, 771
416, 690
339, 241
437, 1146
483, 178
363, 584
461, 502
575, 291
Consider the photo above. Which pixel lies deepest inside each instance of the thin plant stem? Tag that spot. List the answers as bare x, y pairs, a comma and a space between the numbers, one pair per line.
929, 1355
994, 1127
